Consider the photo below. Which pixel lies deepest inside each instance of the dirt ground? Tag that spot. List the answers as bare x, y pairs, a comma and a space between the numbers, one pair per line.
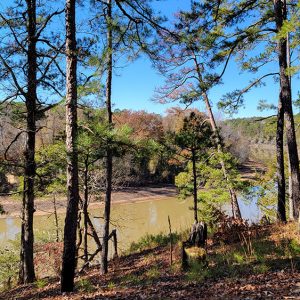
148, 275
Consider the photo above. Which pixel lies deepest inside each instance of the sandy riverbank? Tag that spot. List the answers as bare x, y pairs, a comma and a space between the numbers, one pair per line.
44, 206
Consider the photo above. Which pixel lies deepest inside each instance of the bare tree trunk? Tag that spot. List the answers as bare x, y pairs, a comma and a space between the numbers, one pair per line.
171, 242
55, 218
281, 215
79, 238
115, 242
109, 166
234, 202
285, 91
69, 252
85, 212
26, 272
291, 200
195, 194
290, 193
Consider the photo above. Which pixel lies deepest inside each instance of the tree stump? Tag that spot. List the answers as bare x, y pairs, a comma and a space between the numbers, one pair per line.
194, 248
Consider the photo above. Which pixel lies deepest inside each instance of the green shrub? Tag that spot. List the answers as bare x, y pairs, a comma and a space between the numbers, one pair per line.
84, 285
151, 241
41, 283
9, 265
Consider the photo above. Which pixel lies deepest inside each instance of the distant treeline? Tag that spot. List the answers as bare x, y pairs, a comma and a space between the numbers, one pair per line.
256, 130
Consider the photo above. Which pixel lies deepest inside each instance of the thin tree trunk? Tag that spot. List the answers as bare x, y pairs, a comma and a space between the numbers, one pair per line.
285, 91
171, 242
85, 212
195, 194
281, 214
94, 232
291, 200
236, 213
109, 165
234, 202
69, 252
55, 218
78, 239
115, 242
26, 272
290, 193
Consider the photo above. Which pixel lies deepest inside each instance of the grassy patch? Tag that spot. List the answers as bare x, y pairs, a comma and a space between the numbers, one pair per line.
85, 285
131, 279
153, 274
197, 272
41, 283
151, 241
111, 285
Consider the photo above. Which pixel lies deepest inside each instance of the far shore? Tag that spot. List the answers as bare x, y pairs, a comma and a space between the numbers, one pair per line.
44, 206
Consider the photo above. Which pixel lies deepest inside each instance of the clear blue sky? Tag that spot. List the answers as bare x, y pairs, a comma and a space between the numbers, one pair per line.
134, 86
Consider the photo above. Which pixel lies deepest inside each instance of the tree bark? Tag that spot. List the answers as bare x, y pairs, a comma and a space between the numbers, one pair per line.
85, 212
281, 214
26, 272
55, 218
290, 192
236, 213
109, 155
285, 92
195, 194
69, 252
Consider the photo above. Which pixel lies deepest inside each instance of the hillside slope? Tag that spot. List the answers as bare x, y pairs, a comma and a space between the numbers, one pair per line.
256, 130
266, 269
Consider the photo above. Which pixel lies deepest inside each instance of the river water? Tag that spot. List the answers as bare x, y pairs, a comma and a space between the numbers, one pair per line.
132, 220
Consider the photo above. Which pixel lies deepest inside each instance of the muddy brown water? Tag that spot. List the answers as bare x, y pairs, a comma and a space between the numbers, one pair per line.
132, 221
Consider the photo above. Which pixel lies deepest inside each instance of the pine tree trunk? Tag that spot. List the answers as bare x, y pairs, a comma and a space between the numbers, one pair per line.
26, 272
290, 192
281, 214
85, 212
291, 200
109, 155
195, 194
285, 92
236, 213
69, 252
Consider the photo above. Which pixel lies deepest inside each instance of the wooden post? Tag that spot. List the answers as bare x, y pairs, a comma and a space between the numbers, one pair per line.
55, 218
171, 244
115, 241
184, 259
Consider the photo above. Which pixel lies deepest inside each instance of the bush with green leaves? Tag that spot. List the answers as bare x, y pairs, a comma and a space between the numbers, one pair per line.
151, 241
212, 188
9, 265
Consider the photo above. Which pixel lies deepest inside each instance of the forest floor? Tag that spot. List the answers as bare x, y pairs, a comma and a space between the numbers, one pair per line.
265, 266
44, 205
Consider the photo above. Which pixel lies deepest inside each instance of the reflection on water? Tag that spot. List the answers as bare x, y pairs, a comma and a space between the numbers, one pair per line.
250, 211
9, 228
